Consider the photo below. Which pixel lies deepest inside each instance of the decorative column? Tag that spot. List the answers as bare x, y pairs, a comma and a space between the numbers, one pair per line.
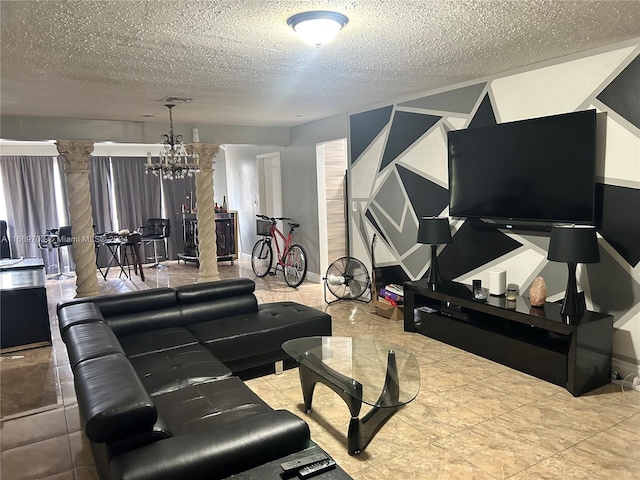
76, 168
208, 254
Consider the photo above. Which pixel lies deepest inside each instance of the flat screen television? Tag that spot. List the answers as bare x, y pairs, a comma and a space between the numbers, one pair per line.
537, 170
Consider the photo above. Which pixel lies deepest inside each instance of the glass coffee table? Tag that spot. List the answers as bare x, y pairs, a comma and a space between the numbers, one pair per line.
360, 370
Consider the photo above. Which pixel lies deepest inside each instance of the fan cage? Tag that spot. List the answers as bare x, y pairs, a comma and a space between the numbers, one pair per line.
345, 268
263, 227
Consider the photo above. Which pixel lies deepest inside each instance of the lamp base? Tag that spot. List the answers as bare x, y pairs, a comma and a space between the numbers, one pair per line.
573, 304
434, 277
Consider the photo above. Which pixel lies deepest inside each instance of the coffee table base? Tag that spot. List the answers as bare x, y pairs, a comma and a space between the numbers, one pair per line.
361, 430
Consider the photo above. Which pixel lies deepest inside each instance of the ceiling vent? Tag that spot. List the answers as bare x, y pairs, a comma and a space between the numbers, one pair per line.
176, 99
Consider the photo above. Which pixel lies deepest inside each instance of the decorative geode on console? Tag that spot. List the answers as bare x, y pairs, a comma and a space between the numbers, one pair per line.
538, 292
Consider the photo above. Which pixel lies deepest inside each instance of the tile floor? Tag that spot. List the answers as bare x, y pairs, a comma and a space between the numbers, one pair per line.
473, 419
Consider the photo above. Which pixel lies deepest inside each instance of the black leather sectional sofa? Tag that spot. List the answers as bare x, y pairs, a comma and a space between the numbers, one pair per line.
154, 374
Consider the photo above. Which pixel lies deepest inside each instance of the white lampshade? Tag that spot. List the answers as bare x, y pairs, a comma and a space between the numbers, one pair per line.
317, 28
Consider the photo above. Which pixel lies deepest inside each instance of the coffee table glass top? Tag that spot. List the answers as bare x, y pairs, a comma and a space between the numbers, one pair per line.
361, 359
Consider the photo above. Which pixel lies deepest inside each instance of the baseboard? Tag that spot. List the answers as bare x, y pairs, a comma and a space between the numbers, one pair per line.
625, 370
314, 277
626, 385
311, 276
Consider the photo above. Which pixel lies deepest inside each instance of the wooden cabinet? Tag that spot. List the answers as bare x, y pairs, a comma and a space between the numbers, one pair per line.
226, 237
575, 354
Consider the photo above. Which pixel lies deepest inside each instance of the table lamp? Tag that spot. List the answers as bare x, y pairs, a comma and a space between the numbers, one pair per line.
572, 245
434, 231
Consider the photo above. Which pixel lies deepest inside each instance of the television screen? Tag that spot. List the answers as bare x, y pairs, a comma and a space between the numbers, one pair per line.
542, 169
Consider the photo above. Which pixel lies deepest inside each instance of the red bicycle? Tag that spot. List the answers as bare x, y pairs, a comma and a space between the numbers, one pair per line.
292, 259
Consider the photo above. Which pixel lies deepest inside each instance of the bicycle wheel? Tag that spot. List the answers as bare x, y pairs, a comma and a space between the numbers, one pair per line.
261, 257
295, 266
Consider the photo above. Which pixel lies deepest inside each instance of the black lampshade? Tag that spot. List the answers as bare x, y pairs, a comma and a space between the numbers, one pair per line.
574, 244
434, 231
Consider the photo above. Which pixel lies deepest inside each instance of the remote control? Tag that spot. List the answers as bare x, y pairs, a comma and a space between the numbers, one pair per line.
316, 468
302, 462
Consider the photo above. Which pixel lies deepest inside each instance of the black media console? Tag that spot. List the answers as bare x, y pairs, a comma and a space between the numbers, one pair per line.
535, 340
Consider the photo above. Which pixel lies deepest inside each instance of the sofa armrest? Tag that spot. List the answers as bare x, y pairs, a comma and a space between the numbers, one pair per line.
218, 453
112, 402
76, 314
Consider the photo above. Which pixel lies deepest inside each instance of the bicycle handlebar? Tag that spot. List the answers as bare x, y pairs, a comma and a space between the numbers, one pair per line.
273, 219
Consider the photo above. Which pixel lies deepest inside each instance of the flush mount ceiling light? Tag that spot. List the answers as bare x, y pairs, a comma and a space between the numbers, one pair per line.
318, 27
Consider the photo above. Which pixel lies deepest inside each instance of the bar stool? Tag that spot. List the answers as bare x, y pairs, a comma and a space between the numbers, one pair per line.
57, 238
156, 230
132, 250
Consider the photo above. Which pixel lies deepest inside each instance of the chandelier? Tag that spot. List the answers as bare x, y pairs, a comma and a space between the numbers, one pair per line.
173, 159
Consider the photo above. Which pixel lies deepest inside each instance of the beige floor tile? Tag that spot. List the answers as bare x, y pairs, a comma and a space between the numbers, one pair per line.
443, 434
548, 425
333, 439
606, 455
485, 399
554, 468
523, 385
70, 475
432, 462
86, 473
474, 367
68, 394
80, 450
628, 430
369, 474
33, 428
72, 415
395, 436
37, 460
591, 410
608, 396
437, 416
494, 449
64, 373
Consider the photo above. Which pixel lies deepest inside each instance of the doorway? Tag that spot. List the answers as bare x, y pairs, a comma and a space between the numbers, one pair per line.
331, 164
270, 185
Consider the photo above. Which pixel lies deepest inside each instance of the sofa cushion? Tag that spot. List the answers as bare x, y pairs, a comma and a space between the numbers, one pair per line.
78, 313
217, 454
133, 302
262, 332
200, 292
222, 308
113, 403
140, 322
168, 370
90, 340
159, 431
156, 341
208, 405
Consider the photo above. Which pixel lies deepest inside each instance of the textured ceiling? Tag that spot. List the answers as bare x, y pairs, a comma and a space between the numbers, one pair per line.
243, 65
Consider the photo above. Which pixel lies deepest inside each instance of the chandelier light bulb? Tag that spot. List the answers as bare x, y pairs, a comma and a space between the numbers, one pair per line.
173, 160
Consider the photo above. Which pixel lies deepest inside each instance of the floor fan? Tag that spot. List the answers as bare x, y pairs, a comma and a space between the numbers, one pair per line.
347, 279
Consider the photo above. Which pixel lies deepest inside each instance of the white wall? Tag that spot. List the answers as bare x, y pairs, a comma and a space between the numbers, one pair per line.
243, 187
299, 182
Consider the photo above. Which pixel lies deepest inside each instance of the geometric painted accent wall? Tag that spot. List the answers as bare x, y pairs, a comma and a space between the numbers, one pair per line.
401, 175
622, 95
